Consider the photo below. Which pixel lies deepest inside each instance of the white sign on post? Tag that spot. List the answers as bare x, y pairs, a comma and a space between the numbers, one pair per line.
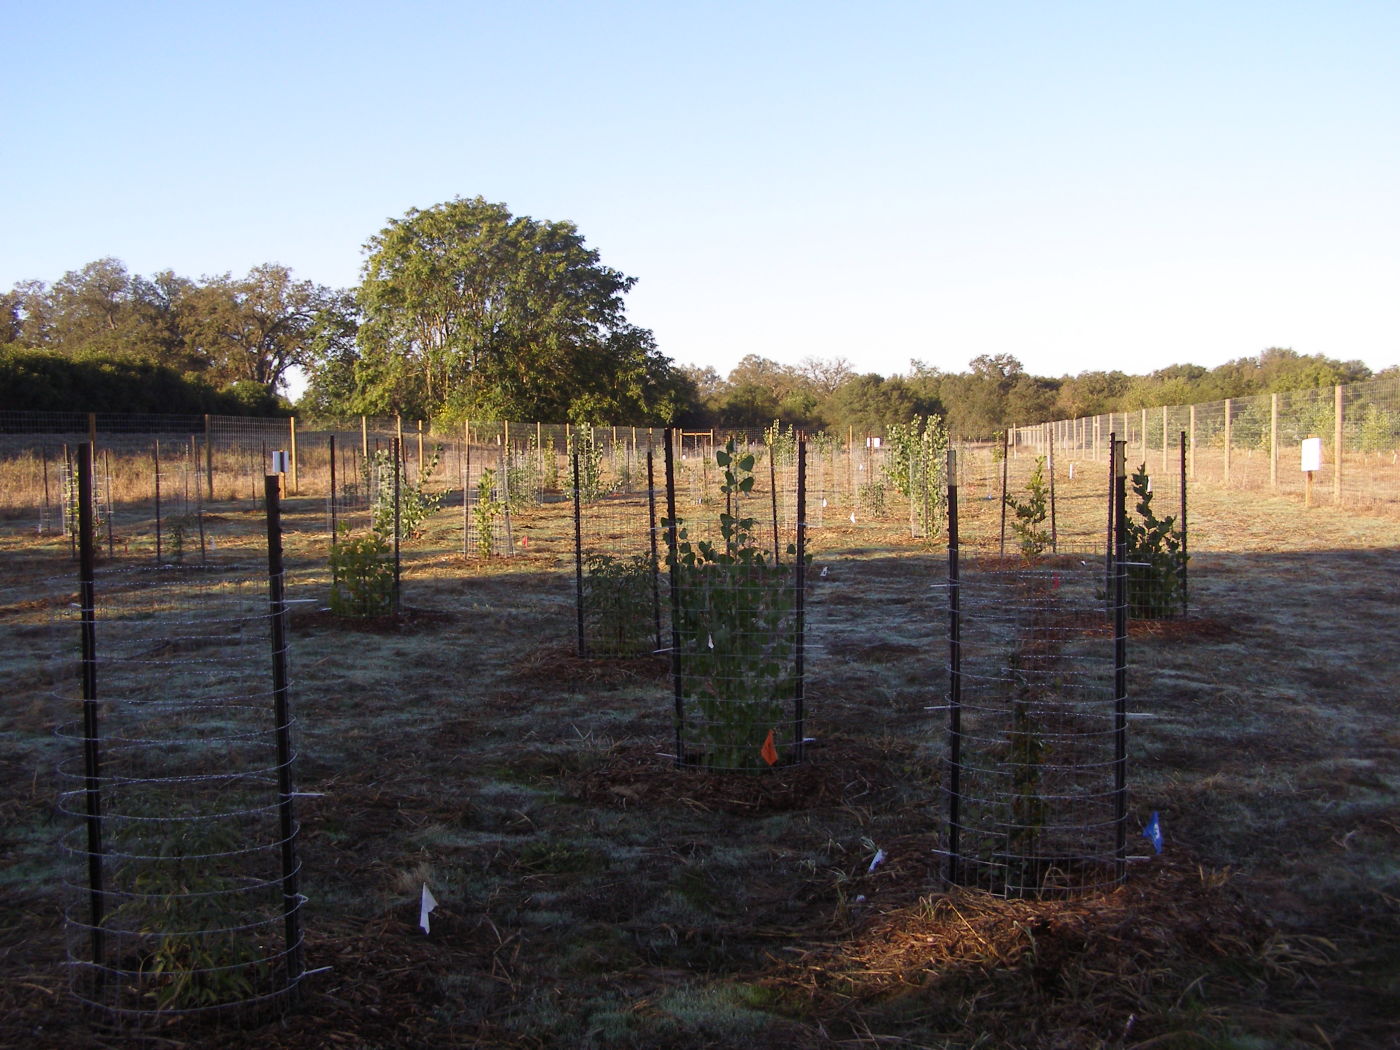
281, 462
1312, 454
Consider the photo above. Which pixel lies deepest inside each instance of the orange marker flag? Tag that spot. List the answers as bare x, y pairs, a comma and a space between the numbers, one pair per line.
768, 751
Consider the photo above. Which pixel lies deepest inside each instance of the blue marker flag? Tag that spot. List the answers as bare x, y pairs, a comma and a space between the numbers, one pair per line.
1153, 832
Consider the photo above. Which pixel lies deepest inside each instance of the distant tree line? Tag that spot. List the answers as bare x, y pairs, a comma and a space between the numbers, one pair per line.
104, 339
467, 311
993, 394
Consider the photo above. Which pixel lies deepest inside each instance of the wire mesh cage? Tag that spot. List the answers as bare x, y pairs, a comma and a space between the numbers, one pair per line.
737, 615
1035, 753
182, 898
620, 588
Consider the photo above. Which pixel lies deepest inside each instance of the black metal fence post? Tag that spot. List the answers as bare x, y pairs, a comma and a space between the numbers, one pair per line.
1005, 466
578, 562
800, 581
155, 456
398, 565
1120, 651
1183, 569
672, 542
291, 895
331, 443
954, 844
92, 782
1113, 523
655, 560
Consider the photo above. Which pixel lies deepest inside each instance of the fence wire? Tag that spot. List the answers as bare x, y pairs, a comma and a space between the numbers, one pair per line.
176, 903
1035, 761
1256, 443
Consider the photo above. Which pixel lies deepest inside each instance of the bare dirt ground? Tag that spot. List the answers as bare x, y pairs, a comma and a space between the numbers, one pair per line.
594, 895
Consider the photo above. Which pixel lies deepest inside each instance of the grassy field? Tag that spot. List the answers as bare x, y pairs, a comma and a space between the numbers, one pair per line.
594, 895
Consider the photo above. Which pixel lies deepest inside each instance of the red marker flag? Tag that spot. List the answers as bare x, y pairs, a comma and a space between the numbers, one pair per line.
768, 751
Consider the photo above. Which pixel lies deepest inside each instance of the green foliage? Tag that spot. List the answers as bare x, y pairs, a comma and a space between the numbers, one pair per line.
192, 959
872, 497
916, 462
177, 527
362, 574
1030, 514
584, 444
1156, 566
782, 443
1379, 430
486, 509
472, 311
415, 502
734, 627
619, 604
550, 468
72, 506
43, 381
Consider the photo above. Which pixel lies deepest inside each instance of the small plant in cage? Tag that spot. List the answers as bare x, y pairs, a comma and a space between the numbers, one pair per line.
179, 527
782, 443
488, 507
523, 477
584, 444
618, 601
1030, 514
550, 470
917, 464
1156, 564
362, 574
734, 625
415, 503
872, 496
71, 505
189, 951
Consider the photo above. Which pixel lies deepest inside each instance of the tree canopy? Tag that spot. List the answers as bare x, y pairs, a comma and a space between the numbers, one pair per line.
224, 333
471, 311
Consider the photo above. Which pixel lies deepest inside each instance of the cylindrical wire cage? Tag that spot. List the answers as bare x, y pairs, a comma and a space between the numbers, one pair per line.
1034, 781
736, 567
181, 899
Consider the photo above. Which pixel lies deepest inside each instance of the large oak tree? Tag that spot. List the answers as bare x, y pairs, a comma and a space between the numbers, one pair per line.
471, 311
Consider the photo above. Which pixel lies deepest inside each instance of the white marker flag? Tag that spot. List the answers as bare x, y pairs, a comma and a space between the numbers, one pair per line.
429, 902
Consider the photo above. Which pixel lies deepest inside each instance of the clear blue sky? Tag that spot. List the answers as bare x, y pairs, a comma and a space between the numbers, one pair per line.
1083, 185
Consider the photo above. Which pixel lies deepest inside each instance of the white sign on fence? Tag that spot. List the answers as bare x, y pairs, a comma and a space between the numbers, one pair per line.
1312, 454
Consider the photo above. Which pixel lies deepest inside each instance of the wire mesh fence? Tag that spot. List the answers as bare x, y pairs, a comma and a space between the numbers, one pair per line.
182, 897
1256, 443
1035, 756
737, 591
620, 586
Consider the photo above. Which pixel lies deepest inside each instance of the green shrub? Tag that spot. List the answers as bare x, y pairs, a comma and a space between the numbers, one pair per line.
415, 503
362, 575
619, 605
734, 627
1156, 568
1030, 514
489, 506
